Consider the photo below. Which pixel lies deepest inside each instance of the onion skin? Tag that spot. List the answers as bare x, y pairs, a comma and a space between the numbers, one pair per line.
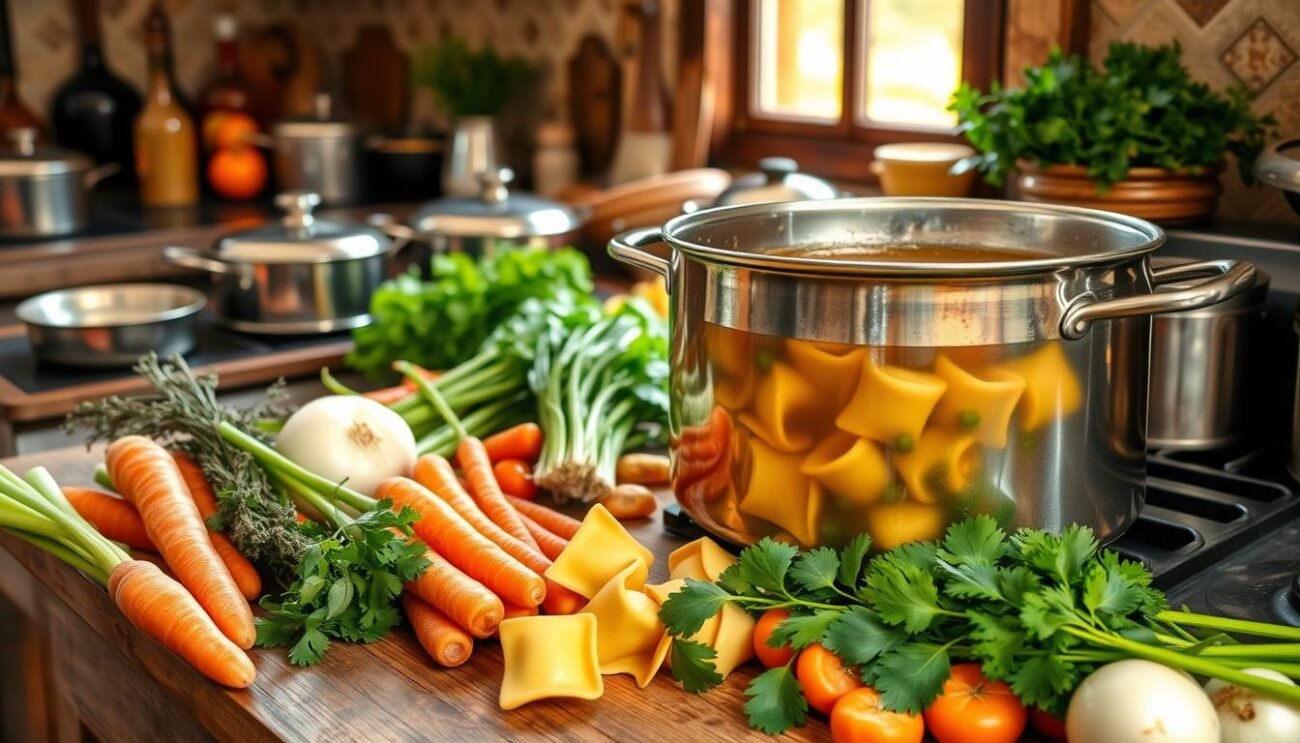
1246, 716
1137, 701
349, 438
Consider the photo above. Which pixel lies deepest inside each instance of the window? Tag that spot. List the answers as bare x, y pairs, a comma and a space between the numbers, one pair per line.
827, 80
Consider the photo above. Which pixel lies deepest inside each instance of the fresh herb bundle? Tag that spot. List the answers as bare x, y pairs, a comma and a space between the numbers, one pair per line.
346, 586
1036, 610
443, 321
468, 82
1142, 108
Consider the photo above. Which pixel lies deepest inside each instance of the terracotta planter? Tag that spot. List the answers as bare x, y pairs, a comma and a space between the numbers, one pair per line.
1158, 194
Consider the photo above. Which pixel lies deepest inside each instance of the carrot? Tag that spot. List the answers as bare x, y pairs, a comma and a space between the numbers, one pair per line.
550, 544
241, 569
513, 611
148, 477
483, 487
523, 441
548, 518
445, 642
515, 477
630, 501
163, 608
464, 600
388, 395
452, 537
435, 474
111, 516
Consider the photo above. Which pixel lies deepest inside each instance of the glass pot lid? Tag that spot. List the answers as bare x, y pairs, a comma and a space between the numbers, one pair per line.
910, 237
496, 213
299, 237
29, 158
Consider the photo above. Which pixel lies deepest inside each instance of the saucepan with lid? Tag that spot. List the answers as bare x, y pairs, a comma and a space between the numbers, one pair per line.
301, 275
891, 365
44, 188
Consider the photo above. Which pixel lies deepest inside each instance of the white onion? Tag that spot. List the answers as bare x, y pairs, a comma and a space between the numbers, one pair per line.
349, 438
1137, 701
1248, 716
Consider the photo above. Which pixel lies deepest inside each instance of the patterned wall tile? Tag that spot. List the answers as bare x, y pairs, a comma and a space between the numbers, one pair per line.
1202, 11
1259, 56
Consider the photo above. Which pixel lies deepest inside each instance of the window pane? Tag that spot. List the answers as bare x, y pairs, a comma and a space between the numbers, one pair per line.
799, 58
913, 60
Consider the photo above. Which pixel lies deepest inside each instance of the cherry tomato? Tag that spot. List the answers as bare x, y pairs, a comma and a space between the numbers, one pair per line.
768, 655
859, 718
975, 709
823, 678
515, 477
1047, 725
237, 172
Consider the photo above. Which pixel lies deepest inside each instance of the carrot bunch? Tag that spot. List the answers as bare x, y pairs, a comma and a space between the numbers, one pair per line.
34, 509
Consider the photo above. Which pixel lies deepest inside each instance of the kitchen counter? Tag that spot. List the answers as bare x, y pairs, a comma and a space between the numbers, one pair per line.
100, 676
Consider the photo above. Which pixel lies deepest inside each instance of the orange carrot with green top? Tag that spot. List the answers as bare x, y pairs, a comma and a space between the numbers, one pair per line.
549, 519
147, 476
550, 544
163, 608
451, 536
440, 637
111, 516
464, 600
483, 488
523, 441
241, 569
435, 474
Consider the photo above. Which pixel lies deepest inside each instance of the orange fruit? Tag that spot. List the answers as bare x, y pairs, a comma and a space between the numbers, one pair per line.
227, 129
237, 172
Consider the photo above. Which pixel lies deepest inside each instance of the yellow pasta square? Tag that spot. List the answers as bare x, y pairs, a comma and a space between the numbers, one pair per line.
891, 403
1052, 390
852, 468
549, 656
779, 492
599, 550
830, 367
940, 461
629, 636
786, 403
981, 406
730, 632
892, 524
702, 559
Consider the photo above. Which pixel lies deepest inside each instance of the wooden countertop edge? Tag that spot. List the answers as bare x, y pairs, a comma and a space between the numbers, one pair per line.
18, 405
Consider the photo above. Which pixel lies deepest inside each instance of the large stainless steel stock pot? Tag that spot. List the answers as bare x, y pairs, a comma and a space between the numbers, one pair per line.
892, 365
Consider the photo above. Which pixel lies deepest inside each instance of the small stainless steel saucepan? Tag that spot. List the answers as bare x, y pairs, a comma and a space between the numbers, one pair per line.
44, 188
113, 324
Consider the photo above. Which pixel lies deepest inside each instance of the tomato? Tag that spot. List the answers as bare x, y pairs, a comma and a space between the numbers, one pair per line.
975, 709
223, 129
1047, 725
824, 678
768, 655
237, 172
515, 478
858, 718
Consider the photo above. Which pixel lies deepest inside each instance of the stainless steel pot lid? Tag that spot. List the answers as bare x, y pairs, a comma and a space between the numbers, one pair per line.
301, 238
496, 212
778, 180
110, 305
320, 125
28, 158
898, 237
1250, 298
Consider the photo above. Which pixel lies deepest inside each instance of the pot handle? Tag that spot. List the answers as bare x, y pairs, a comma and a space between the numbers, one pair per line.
400, 234
629, 248
1227, 278
190, 258
95, 175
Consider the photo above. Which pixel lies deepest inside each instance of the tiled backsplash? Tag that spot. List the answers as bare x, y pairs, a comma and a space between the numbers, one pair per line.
1252, 42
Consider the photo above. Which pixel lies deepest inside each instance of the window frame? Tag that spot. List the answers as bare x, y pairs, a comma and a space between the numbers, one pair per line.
842, 149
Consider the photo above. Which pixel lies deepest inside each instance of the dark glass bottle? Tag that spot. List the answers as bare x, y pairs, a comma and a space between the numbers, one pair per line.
227, 90
14, 114
94, 111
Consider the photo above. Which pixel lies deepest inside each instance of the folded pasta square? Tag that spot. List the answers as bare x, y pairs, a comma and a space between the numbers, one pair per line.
781, 494
629, 636
730, 632
549, 656
598, 551
981, 406
1052, 390
941, 461
891, 403
849, 466
702, 559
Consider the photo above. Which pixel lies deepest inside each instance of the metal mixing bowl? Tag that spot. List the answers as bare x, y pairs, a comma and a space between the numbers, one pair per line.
111, 325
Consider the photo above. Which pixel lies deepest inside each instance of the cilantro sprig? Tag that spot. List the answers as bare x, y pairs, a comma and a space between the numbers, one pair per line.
1037, 610
346, 587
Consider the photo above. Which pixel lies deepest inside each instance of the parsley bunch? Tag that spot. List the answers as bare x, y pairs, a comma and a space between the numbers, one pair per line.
1142, 108
1036, 610
346, 586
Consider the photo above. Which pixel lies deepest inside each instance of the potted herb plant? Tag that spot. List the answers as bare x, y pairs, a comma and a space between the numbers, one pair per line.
472, 87
1137, 136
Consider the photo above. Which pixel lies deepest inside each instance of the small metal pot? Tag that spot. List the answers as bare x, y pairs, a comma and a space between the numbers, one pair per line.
495, 218
1199, 364
318, 154
406, 166
300, 276
111, 325
778, 179
891, 365
43, 189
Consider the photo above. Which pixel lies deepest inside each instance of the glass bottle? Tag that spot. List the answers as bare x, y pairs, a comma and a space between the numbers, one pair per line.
166, 152
14, 113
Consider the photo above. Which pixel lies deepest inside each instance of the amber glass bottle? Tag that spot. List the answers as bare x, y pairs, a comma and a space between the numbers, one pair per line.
14, 114
166, 149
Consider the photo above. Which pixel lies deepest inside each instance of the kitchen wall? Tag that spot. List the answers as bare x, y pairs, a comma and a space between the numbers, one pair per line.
1252, 42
